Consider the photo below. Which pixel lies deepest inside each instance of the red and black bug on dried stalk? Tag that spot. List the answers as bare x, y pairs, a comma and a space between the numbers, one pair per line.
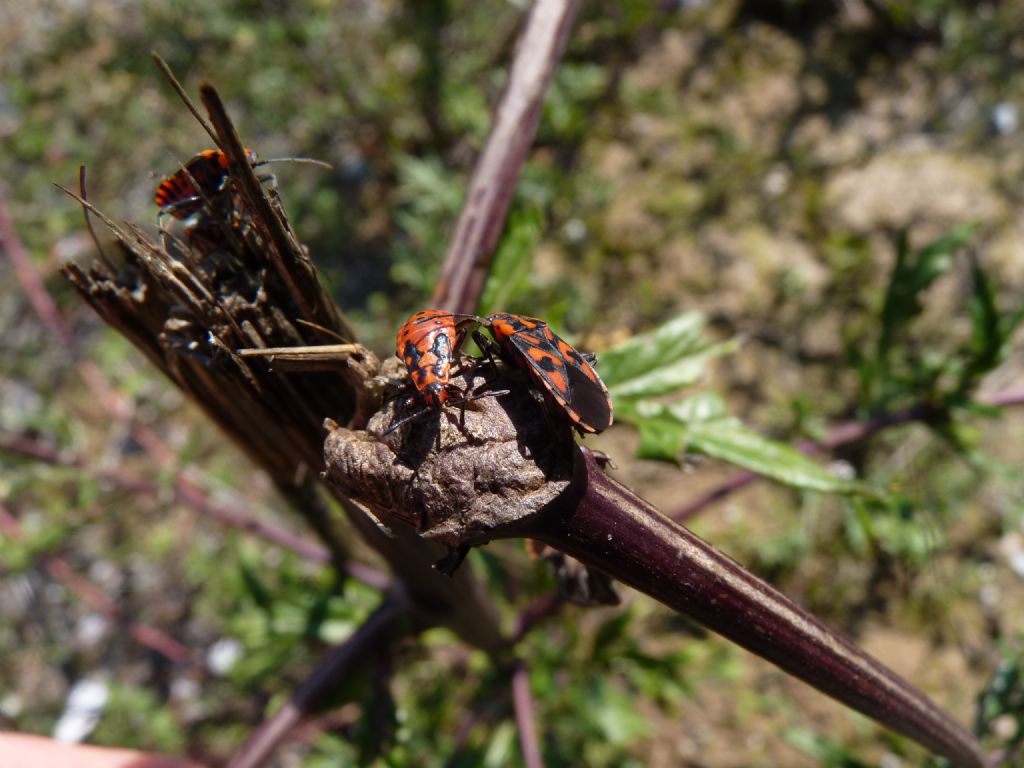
429, 344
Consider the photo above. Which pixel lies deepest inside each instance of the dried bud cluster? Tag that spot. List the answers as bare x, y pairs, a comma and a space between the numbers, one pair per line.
454, 474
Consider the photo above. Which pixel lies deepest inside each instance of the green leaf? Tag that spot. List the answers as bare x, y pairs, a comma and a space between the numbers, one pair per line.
612, 633
259, 593
427, 186
702, 424
616, 715
509, 278
662, 361
991, 330
914, 272
430, 196
502, 746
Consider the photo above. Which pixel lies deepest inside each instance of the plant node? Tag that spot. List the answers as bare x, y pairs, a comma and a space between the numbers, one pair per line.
461, 474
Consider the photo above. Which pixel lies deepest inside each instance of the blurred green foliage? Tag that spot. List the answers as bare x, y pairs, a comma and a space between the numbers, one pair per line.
659, 160
671, 357
1001, 704
901, 370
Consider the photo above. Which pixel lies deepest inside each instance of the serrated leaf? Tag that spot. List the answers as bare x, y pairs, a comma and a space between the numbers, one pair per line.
669, 357
991, 330
701, 424
914, 272
737, 444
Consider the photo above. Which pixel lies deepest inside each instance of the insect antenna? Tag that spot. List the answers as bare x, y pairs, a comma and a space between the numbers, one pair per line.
404, 420
306, 160
88, 218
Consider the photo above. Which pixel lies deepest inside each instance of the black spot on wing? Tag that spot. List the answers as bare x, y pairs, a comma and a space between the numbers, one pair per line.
442, 346
411, 355
548, 363
524, 342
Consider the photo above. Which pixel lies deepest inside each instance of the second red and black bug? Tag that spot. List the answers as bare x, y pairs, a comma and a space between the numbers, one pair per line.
202, 180
555, 366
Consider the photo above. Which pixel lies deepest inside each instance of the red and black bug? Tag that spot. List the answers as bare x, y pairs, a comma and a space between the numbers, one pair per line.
202, 180
562, 372
428, 343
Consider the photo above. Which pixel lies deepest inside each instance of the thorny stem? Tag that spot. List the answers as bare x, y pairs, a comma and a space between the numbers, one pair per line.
844, 434
493, 185
375, 635
462, 602
504, 472
610, 528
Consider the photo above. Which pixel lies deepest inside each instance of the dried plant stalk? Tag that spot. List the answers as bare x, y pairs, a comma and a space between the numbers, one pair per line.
191, 301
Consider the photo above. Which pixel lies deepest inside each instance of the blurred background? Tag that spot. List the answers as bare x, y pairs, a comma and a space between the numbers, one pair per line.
765, 163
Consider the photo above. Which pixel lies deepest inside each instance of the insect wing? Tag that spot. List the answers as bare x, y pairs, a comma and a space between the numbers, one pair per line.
178, 196
587, 401
536, 350
209, 169
557, 367
591, 404
181, 193
590, 397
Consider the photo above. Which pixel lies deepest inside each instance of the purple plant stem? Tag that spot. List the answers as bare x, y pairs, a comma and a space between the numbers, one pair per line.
373, 637
535, 613
610, 528
46, 310
844, 434
522, 703
29, 278
493, 185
